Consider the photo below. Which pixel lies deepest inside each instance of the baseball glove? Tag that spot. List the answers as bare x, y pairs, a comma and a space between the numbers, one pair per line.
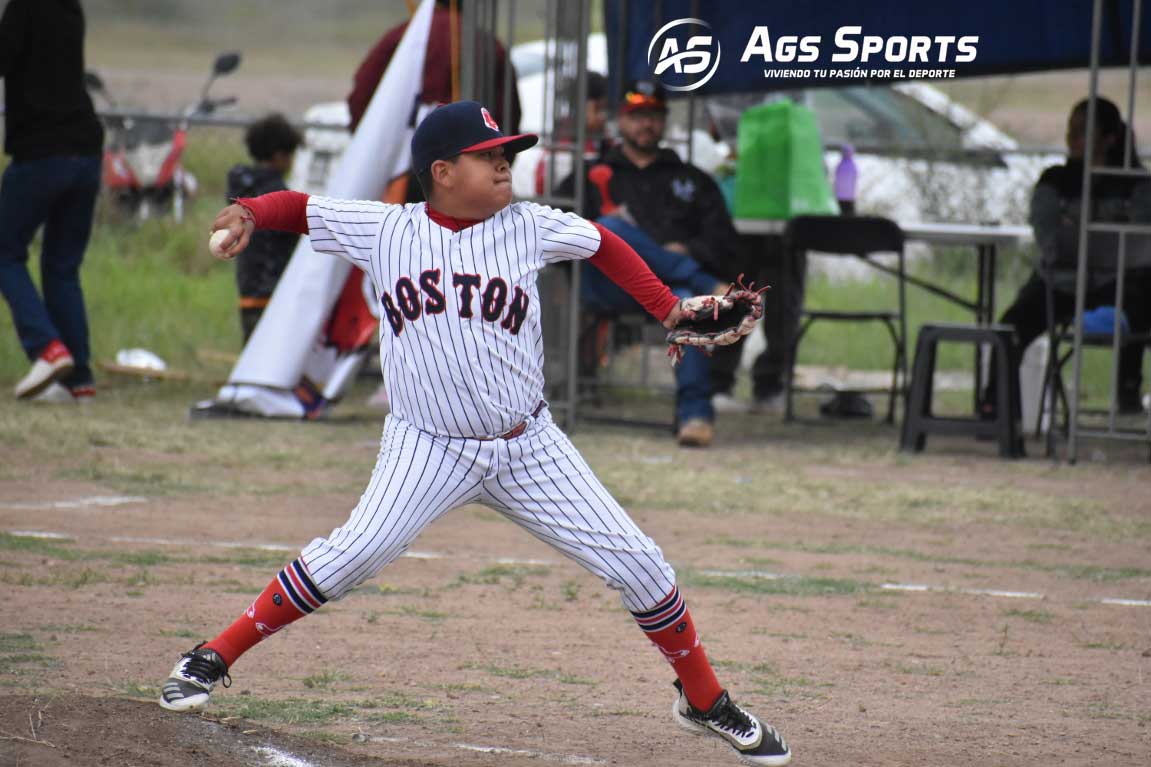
716, 320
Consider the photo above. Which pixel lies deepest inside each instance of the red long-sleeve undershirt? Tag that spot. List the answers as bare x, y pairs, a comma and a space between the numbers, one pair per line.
288, 211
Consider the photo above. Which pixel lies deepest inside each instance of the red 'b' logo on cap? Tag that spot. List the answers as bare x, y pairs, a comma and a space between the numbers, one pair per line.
488, 121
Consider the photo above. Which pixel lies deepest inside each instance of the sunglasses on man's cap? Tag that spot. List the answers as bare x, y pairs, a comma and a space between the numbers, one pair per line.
643, 95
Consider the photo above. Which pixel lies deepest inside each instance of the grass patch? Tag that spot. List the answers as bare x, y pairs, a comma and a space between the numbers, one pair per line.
67, 628
799, 491
63, 578
262, 558
513, 672
765, 678
180, 633
918, 669
797, 586
386, 707
12, 643
1103, 644
55, 548
322, 736
522, 672
508, 575
324, 679
1031, 616
1076, 571
137, 690
287, 710
410, 611
20, 650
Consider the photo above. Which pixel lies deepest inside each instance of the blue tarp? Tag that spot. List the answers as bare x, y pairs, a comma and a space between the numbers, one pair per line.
1014, 36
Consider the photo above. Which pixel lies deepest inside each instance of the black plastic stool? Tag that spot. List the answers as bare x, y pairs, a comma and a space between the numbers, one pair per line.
1006, 428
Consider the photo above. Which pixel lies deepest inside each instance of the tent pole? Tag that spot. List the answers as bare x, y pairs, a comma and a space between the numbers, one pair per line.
621, 53
578, 168
1084, 223
691, 101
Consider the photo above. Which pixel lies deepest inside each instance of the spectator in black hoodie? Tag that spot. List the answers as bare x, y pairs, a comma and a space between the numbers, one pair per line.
272, 143
673, 215
55, 140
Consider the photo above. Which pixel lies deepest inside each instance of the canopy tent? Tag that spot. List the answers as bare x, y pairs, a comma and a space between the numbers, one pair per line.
1014, 37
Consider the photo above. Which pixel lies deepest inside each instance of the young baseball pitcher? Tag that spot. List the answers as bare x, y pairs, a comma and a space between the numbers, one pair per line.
462, 354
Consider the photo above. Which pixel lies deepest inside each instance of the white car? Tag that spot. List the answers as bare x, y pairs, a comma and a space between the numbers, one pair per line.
920, 156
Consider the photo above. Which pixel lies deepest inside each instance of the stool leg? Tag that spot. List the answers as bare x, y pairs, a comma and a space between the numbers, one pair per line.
919, 401
1005, 402
1017, 426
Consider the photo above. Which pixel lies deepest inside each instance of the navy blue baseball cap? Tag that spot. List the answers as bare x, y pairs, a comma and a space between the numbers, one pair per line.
462, 126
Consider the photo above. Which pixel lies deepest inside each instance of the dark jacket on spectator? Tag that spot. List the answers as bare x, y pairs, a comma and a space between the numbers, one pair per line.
437, 84
1055, 208
47, 111
673, 201
259, 267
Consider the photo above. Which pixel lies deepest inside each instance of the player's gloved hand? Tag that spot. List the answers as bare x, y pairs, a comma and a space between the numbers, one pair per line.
708, 321
238, 221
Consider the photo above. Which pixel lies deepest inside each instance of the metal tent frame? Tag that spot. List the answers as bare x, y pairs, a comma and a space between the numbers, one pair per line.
567, 25
1076, 430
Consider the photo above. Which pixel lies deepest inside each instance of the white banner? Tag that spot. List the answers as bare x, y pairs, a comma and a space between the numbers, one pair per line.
287, 342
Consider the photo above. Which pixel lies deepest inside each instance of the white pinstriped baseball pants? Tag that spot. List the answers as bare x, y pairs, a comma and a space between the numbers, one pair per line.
538, 480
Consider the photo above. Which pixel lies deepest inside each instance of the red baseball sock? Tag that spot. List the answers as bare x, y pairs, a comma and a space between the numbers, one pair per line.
670, 628
290, 596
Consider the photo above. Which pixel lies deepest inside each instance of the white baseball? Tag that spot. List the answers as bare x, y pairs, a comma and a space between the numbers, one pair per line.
215, 244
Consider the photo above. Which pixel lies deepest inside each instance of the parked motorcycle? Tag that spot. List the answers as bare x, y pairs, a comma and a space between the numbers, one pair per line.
143, 159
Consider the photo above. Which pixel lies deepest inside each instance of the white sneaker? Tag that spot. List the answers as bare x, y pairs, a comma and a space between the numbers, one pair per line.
725, 403
755, 743
192, 680
53, 363
55, 394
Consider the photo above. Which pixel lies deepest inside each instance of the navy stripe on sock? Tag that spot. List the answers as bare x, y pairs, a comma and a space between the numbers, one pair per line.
290, 589
675, 616
306, 579
666, 603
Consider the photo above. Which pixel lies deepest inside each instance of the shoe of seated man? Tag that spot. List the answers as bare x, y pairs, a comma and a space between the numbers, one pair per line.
696, 432
755, 742
727, 403
769, 404
191, 682
54, 363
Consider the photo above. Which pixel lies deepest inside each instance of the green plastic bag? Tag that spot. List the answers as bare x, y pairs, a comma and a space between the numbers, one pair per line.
780, 173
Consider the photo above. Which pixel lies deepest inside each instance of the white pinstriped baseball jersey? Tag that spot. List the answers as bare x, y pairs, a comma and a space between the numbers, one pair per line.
461, 346
462, 354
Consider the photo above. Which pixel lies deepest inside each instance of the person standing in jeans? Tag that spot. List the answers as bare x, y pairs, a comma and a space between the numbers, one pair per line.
55, 141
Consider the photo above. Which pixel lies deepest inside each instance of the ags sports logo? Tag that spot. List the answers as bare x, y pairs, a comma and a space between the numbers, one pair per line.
695, 58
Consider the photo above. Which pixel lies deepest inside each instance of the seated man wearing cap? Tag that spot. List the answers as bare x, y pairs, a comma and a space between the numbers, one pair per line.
673, 215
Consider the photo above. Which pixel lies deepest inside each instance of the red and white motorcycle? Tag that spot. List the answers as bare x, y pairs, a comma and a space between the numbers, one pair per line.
143, 157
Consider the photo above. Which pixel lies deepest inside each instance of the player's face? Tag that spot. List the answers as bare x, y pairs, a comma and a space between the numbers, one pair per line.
483, 180
642, 129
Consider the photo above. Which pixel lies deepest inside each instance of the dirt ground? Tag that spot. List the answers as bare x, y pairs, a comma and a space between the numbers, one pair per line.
879, 610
